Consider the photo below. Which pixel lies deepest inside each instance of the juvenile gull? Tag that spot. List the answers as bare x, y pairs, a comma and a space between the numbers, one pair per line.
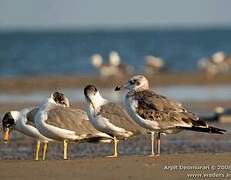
66, 124
109, 118
23, 121
154, 65
159, 114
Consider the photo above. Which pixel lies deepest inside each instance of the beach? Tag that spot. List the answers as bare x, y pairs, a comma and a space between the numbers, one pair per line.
88, 161
175, 166
19, 93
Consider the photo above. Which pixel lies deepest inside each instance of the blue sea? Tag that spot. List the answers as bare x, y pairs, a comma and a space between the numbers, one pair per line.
66, 53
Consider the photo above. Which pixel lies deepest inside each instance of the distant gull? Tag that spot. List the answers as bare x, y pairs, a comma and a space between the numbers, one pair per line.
105, 70
66, 124
115, 60
114, 67
218, 63
159, 114
109, 117
221, 115
154, 65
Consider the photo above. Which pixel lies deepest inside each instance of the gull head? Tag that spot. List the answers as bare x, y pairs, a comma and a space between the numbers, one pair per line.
114, 58
218, 57
8, 123
96, 60
60, 99
136, 83
219, 110
93, 96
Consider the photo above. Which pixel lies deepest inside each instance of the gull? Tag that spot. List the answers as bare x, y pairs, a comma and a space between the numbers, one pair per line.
114, 67
154, 65
18, 120
23, 121
109, 117
159, 114
66, 124
116, 61
105, 69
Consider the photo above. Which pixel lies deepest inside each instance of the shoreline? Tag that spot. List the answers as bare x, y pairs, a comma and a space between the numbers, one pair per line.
30, 84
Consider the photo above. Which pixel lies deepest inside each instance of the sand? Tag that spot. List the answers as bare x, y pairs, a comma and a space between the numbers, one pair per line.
28, 84
87, 160
126, 167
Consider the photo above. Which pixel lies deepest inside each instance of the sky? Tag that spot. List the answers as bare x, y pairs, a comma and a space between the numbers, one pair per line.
90, 14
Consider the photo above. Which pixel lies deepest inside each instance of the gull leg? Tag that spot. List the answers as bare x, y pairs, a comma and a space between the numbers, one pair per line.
37, 151
44, 150
115, 142
152, 144
115, 147
65, 149
158, 144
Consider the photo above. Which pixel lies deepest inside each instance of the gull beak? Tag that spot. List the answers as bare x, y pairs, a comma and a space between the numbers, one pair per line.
118, 88
6, 135
66, 101
93, 105
91, 102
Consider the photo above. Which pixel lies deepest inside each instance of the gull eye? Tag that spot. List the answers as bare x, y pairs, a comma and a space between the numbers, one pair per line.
137, 83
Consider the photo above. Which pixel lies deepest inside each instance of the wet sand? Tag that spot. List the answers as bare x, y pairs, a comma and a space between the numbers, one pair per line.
28, 84
21, 147
126, 167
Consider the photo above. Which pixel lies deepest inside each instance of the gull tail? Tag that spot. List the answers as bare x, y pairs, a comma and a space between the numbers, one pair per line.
209, 129
199, 125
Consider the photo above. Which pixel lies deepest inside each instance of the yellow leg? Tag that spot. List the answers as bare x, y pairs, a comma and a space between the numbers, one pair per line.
44, 151
115, 148
152, 144
37, 151
65, 149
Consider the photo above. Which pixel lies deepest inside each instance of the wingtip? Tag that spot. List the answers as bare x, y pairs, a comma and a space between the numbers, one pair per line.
216, 130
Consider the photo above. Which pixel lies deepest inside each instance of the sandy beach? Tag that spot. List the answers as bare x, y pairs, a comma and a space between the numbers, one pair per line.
127, 167
28, 84
88, 161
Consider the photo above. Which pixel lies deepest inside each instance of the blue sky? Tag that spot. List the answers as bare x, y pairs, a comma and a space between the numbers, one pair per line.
88, 14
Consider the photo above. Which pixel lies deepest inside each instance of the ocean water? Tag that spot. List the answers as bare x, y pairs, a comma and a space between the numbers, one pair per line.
51, 53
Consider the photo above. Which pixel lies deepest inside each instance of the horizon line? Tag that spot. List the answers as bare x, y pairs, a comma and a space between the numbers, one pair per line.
118, 28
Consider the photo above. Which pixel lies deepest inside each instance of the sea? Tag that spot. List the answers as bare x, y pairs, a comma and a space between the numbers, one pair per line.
68, 52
